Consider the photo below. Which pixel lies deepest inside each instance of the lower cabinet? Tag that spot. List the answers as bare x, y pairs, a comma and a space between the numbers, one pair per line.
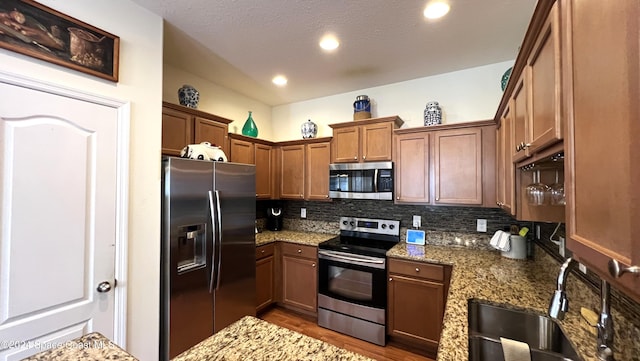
416, 298
299, 277
265, 276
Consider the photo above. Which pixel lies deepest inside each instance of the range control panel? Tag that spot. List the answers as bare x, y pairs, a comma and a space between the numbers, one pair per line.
369, 225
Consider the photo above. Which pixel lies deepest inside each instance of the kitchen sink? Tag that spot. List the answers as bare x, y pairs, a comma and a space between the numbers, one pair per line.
487, 323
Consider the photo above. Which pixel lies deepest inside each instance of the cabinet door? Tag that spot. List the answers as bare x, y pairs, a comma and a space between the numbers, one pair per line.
520, 119
603, 122
346, 145
317, 176
213, 132
292, 173
376, 142
412, 168
264, 167
177, 131
299, 283
241, 151
545, 86
458, 166
505, 172
416, 308
264, 282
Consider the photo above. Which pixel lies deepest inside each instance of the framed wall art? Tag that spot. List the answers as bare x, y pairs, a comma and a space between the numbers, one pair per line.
33, 29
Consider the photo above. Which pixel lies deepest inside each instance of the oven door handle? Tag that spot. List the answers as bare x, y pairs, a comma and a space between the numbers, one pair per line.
330, 254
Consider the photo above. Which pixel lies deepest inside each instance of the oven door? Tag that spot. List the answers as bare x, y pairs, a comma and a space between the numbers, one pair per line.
353, 278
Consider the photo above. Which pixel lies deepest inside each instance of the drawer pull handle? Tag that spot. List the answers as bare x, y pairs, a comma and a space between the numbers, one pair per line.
263, 251
299, 251
417, 269
616, 271
313, 265
390, 279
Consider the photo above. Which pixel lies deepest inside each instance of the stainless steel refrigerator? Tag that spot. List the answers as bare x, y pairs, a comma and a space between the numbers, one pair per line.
208, 262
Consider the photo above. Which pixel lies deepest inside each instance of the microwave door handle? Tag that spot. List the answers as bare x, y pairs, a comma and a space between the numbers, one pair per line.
213, 244
375, 180
219, 218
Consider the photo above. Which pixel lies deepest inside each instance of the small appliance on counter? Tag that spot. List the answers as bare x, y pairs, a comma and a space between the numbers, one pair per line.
274, 218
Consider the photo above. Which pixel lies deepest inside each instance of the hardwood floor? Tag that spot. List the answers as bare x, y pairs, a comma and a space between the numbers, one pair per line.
307, 325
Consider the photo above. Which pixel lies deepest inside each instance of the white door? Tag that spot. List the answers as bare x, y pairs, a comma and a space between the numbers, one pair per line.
58, 205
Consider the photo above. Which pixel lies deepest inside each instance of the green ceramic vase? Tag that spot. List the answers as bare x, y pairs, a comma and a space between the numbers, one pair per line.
249, 128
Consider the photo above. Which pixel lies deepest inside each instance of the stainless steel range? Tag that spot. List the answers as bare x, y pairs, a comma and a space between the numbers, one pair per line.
352, 286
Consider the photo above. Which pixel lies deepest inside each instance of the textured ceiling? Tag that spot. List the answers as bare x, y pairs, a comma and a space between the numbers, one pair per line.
242, 44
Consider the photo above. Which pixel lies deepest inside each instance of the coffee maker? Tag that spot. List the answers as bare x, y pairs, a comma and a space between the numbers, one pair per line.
274, 218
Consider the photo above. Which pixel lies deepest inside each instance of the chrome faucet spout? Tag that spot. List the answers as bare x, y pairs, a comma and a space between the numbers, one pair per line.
559, 304
605, 324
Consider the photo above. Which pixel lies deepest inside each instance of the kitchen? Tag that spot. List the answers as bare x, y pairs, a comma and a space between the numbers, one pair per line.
145, 133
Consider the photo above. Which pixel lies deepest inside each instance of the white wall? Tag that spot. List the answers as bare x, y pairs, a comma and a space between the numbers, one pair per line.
220, 101
140, 83
466, 95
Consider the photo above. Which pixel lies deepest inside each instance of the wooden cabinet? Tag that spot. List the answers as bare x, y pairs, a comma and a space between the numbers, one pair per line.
602, 88
363, 141
545, 86
304, 169
505, 170
265, 276
299, 277
416, 294
182, 126
520, 121
446, 164
249, 150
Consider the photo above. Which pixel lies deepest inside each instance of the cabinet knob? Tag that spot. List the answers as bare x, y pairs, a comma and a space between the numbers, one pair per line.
525, 146
327, 196
263, 251
313, 265
417, 269
398, 197
355, 158
299, 251
364, 157
518, 148
616, 271
390, 279
301, 196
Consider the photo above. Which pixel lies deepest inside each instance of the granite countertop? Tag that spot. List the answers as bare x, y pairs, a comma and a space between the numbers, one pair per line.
306, 238
486, 275
253, 339
91, 347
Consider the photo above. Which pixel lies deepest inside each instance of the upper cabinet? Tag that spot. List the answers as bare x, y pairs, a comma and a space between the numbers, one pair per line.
368, 140
249, 150
601, 70
505, 170
304, 169
182, 126
446, 164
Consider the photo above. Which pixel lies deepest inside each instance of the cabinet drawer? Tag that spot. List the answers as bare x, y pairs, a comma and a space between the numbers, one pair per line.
417, 269
291, 249
265, 251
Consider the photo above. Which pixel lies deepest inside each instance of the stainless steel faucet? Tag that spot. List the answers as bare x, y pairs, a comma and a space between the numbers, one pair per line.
605, 324
559, 306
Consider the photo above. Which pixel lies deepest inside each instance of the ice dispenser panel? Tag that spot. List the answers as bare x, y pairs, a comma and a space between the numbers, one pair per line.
192, 249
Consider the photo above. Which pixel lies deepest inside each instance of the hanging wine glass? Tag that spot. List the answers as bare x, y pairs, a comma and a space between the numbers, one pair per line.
556, 191
537, 193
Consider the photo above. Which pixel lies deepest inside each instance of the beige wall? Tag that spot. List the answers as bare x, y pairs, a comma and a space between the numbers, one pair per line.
219, 101
466, 95
140, 83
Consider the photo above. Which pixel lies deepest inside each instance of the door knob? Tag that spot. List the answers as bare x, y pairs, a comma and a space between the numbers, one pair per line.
104, 287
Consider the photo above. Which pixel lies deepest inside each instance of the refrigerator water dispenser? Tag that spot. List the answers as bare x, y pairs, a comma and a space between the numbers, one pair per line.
192, 249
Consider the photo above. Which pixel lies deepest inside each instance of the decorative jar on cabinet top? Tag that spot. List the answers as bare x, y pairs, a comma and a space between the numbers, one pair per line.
188, 96
432, 114
250, 129
309, 129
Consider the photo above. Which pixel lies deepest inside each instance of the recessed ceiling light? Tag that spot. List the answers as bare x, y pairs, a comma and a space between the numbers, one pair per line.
329, 42
436, 10
279, 80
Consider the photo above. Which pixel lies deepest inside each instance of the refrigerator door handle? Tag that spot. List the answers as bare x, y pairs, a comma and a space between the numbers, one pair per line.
219, 218
213, 244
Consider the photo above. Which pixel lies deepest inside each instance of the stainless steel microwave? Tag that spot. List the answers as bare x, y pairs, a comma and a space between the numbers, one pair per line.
361, 180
